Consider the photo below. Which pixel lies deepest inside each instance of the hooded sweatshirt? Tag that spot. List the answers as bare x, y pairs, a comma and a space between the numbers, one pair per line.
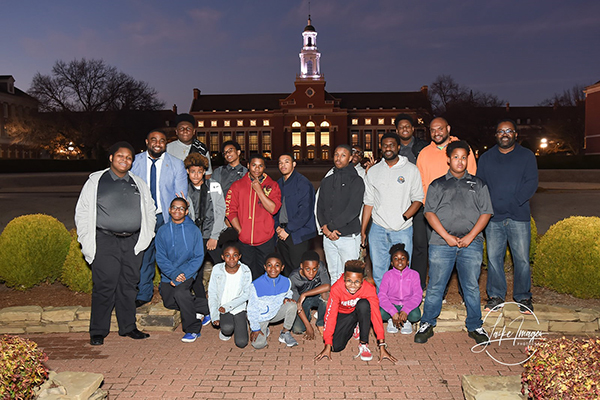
400, 288
179, 250
242, 202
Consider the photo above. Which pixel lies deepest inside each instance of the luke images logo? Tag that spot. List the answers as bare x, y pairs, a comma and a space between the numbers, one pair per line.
509, 336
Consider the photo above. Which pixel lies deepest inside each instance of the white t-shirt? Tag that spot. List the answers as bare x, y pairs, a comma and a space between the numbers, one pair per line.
233, 289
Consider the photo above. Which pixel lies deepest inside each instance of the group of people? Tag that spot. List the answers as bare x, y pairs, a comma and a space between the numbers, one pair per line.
425, 202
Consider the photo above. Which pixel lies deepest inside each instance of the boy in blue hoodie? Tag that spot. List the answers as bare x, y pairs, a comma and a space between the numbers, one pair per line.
271, 301
179, 254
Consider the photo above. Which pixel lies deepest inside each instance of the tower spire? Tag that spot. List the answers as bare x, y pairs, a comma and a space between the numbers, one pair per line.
310, 67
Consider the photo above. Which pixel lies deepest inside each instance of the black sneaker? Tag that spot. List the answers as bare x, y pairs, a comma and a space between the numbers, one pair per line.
494, 304
424, 333
525, 306
480, 335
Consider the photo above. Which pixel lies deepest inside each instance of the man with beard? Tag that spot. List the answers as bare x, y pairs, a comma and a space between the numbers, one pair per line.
338, 210
432, 161
166, 177
510, 172
393, 195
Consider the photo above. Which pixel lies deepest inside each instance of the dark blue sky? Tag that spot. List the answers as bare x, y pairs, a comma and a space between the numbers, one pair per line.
521, 51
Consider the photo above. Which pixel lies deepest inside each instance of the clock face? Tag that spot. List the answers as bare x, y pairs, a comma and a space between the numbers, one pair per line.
310, 92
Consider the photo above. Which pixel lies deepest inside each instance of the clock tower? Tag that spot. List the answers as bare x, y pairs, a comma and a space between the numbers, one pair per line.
310, 64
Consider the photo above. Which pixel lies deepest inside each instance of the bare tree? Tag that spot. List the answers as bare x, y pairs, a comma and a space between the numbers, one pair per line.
89, 95
569, 97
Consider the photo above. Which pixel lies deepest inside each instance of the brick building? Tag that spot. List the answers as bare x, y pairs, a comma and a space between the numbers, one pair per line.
592, 119
310, 121
15, 106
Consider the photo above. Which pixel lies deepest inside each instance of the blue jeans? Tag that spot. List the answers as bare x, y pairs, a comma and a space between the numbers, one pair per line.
380, 242
337, 252
146, 285
518, 236
468, 264
308, 304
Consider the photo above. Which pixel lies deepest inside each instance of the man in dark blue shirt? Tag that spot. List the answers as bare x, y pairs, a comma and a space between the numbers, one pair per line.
511, 174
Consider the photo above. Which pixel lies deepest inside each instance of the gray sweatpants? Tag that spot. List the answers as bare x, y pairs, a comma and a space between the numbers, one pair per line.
287, 312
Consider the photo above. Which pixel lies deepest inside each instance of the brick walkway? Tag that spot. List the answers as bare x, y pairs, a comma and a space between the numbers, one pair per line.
162, 367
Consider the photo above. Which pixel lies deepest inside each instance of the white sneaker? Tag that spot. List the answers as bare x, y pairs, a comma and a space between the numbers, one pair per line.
391, 328
223, 337
406, 329
199, 316
364, 353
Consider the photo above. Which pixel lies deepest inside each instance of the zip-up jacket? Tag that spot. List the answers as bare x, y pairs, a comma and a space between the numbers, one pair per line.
242, 202
400, 288
216, 285
299, 196
340, 201
341, 301
266, 298
179, 250
214, 213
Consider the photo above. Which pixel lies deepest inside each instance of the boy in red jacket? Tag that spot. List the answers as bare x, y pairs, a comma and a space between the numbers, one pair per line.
251, 202
353, 300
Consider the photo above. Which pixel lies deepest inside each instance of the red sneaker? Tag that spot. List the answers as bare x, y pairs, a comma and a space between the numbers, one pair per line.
356, 334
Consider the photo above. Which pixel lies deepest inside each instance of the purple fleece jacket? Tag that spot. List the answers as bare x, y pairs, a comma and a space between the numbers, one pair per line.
400, 288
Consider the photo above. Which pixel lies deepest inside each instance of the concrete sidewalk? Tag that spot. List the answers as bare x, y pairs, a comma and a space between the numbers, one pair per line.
162, 367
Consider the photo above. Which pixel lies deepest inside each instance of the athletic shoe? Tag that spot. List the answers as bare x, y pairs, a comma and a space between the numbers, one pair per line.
406, 329
190, 337
391, 328
494, 304
288, 339
480, 335
223, 337
206, 320
525, 306
364, 353
356, 334
424, 333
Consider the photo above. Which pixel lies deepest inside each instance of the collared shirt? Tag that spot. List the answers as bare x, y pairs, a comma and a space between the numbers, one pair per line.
227, 174
118, 204
158, 164
391, 191
458, 203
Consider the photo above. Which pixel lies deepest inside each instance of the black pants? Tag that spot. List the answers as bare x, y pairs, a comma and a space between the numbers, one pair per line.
236, 325
420, 244
291, 253
115, 275
255, 256
344, 327
180, 298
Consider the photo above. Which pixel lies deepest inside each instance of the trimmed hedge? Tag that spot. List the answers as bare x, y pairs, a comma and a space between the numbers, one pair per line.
568, 257
33, 249
76, 273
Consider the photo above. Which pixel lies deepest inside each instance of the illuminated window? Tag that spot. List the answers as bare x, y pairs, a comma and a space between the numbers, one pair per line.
253, 141
310, 124
381, 121
368, 138
311, 154
325, 154
200, 124
420, 121
265, 122
296, 124
266, 141
227, 123
252, 122
310, 134
354, 137
226, 136
214, 142
241, 139
324, 134
354, 121
213, 123
296, 136
240, 122
296, 154
367, 121
393, 121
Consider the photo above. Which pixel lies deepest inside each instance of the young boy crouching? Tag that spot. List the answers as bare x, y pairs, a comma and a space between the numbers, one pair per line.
353, 300
270, 302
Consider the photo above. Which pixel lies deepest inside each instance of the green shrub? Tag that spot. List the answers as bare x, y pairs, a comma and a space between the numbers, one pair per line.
22, 367
508, 263
568, 257
563, 369
76, 273
32, 250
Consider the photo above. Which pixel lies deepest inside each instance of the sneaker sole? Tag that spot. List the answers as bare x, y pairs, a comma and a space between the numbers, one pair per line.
188, 340
287, 344
366, 358
423, 339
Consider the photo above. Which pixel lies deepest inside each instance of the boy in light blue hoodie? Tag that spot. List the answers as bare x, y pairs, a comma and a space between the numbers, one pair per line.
270, 302
179, 254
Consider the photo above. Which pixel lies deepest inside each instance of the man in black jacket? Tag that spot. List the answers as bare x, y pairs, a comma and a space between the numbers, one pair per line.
410, 147
338, 209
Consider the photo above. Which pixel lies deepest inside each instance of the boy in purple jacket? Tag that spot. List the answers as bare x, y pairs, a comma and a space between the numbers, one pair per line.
400, 293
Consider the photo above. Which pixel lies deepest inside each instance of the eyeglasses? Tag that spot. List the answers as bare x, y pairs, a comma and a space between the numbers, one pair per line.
178, 208
508, 131
185, 129
356, 151
228, 151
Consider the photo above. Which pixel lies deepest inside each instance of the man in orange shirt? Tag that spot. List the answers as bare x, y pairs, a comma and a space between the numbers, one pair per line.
432, 161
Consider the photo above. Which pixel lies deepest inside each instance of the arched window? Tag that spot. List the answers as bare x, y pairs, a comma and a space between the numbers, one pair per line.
297, 139
325, 140
310, 139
